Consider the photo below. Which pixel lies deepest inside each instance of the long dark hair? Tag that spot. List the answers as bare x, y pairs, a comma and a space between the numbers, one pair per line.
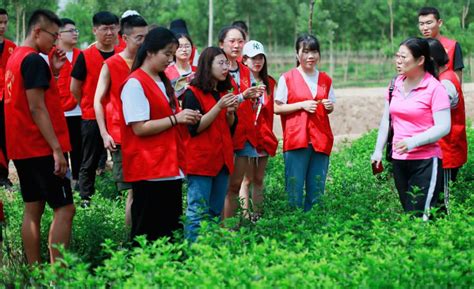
307, 41
420, 47
439, 55
203, 78
157, 39
263, 73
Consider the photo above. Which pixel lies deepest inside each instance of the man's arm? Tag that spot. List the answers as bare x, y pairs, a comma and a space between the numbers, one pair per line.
100, 93
40, 116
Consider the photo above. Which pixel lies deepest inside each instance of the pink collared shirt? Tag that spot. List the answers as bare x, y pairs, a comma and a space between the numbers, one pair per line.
412, 113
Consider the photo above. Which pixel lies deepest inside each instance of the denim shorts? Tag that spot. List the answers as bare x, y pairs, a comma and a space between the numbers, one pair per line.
248, 151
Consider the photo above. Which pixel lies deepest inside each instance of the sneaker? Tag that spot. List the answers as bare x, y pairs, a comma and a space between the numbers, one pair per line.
100, 171
85, 204
76, 186
6, 183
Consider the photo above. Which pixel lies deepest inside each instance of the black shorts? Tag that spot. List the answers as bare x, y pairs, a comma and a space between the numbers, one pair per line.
39, 183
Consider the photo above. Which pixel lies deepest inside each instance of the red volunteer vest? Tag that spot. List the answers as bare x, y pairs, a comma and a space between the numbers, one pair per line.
301, 127
245, 130
63, 82
94, 61
210, 150
172, 72
450, 47
24, 139
157, 156
119, 71
454, 145
267, 140
8, 48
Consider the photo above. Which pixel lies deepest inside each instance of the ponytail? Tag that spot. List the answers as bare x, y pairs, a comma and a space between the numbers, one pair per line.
139, 58
169, 90
420, 47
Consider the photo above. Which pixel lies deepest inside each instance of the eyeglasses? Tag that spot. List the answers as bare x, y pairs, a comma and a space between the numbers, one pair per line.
111, 28
55, 35
223, 63
185, 46
70, 31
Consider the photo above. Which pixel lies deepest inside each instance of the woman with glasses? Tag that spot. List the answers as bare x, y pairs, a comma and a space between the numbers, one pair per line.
181, 72
209, 151
419, 109
232, 40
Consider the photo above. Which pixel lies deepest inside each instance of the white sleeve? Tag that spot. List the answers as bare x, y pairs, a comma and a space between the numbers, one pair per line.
196, 58
281, 94
441, 127
452, 92
135, 104
332, 96
382, 134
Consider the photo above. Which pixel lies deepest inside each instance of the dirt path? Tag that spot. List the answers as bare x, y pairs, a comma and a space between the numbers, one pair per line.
359, 110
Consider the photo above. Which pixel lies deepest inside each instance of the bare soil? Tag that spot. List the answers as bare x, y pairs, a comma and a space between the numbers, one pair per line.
358, 110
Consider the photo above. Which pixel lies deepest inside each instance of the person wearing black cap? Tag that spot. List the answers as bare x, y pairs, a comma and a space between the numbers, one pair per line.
178, 26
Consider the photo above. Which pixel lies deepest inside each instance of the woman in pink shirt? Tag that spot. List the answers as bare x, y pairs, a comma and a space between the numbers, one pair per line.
420, 116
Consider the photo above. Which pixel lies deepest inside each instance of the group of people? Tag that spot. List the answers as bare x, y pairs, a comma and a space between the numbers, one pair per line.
168, 114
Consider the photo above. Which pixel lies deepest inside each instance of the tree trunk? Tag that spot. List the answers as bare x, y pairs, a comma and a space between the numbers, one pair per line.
23, 21
390, 9
211, 23
310, 21
331, 59
465, 12
346, 63
17, 26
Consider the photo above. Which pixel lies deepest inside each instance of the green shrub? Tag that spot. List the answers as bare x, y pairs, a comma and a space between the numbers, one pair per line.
357, 238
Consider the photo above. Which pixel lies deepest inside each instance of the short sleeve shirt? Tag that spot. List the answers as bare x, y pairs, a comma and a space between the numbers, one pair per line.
311, 81
412, 114
137, 108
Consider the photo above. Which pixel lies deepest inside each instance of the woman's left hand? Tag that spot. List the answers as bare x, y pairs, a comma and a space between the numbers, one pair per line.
401, 147
328, 105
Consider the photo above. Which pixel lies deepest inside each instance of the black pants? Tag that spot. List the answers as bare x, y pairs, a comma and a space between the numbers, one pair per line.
75, 137
419, 183
3, 146
92, 148
156, 209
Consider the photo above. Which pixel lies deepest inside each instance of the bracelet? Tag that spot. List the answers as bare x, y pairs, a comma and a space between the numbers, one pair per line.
240, 98
175, 120
172, 124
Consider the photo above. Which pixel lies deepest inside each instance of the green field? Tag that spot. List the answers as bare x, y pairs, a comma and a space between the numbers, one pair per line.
357, 238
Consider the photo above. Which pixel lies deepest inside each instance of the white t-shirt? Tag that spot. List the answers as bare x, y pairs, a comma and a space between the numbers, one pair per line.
452, 92
281, 94
137, 108
76, 111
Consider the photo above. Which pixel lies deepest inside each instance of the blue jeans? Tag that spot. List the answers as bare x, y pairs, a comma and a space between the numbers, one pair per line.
305, 168
206, 196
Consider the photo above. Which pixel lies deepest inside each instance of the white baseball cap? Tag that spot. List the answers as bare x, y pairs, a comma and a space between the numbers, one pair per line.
129, 13
253, 48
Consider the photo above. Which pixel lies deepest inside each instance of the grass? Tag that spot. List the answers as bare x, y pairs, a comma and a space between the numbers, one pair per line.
357, 238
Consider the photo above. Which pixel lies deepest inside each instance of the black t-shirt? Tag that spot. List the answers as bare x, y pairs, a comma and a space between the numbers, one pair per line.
190, 101
457, 61
35, 72
79, 70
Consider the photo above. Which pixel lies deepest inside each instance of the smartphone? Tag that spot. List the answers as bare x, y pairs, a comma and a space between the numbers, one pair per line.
377, 169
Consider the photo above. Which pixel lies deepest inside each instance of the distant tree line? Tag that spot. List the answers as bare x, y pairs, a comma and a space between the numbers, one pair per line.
342, 25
